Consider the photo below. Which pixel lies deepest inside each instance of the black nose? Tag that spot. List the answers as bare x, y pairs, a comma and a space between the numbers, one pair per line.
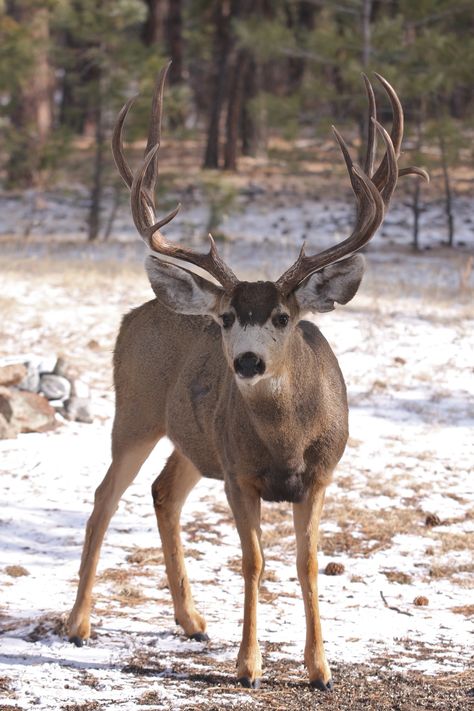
248, 365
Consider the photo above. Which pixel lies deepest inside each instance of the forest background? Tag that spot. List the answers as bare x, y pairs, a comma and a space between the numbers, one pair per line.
251, 78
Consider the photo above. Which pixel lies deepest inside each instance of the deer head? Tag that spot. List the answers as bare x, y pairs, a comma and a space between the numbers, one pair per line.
257, 319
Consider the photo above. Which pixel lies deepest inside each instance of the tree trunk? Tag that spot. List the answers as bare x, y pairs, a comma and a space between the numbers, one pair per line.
300, 16
415, 206
448, 195
366, 31
94, 222
416, 209
234, 108
250, 125
174, 36
31, 108
152, 30
221, 51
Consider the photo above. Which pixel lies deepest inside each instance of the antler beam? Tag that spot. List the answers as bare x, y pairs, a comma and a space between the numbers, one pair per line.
142, 194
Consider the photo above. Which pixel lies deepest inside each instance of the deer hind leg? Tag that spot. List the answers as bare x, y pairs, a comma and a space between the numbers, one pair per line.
245, 505
126, 463
170, 491
306, 516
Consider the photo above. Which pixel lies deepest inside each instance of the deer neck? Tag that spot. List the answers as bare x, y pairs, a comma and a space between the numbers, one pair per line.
276, 407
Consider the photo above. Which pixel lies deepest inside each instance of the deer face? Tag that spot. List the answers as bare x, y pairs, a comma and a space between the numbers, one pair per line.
257, 320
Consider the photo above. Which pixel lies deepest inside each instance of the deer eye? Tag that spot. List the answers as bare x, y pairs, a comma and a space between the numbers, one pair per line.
228, 319
280, 320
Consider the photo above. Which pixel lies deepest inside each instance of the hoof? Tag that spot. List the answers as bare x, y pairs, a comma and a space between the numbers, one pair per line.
248, 683
318, 684
200, 637
77, 641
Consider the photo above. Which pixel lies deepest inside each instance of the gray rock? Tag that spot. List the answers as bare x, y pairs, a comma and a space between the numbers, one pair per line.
47, 364
31, 381
55, 387
80, 389
64, 368
78, 409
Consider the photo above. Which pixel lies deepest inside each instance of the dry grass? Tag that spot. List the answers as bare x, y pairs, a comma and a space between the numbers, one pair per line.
397, 576
467, 610
86, 706
453, 570
448, 542
374, 532
145, 556
16, 571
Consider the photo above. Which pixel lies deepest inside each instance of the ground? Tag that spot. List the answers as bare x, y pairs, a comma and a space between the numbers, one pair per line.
399, 515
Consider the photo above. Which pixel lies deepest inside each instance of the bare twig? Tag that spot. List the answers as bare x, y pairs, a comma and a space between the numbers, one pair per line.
392, 607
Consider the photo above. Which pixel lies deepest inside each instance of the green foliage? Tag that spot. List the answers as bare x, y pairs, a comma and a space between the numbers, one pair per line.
221, 196
267, 40
16, 55
308, 72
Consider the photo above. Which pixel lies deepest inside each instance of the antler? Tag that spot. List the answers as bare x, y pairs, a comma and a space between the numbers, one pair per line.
142, 194
373, 191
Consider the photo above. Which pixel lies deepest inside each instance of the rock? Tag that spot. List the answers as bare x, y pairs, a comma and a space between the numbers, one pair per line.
6, 409
78, 409
55, 387
26, 412
12, 374
31, 380
7, 430
80, 389
64, 368
47, 364
432, 520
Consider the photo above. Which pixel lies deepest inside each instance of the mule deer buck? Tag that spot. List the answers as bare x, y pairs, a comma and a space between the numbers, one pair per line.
247, 391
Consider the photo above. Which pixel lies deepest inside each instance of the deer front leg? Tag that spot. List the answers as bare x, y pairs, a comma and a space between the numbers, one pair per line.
126, 463
170, 491
245, 505
306, 516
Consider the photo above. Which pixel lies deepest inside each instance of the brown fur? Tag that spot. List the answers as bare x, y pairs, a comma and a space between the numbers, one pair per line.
172, 377
275, 434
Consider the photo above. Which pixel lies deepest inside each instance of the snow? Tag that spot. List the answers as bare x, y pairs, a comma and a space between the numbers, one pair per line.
405, 346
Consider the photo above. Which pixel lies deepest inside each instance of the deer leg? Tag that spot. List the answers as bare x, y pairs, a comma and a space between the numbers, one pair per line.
245, 505
126, 463
306, 516
170, 491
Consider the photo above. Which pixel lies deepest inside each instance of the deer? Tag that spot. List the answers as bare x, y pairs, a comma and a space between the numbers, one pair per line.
246, 388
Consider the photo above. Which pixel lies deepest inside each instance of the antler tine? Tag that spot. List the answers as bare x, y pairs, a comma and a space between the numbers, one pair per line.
371, 132
414, 170
143, 212
117, 144
396, 134
392, 166
154, 134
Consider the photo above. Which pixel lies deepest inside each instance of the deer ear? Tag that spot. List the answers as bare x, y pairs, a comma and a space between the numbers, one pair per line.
337, 282
181, 290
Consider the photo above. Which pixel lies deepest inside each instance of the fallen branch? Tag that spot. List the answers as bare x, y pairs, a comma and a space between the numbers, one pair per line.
392, 607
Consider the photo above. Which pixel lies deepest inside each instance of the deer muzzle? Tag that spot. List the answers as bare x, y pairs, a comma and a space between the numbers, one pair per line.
248, 365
